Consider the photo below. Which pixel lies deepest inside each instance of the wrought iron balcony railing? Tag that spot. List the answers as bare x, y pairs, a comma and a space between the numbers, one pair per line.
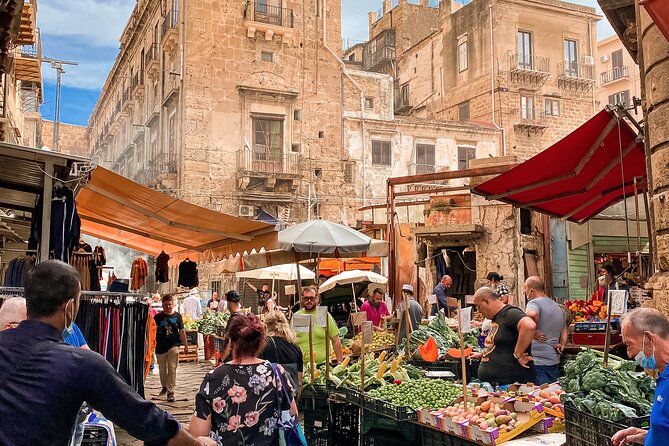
271, 15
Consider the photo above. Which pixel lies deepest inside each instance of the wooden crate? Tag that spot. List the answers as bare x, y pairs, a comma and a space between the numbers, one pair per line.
190, 357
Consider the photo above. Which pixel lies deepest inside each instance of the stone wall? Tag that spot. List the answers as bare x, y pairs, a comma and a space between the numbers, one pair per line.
72, 139
656, 62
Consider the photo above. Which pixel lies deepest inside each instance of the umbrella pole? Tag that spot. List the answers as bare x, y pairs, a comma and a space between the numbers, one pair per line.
355, 304
299, 283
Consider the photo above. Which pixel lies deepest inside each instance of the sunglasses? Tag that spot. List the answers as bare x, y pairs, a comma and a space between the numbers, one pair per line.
309, 297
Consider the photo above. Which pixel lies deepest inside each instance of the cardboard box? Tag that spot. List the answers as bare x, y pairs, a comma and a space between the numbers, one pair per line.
556, 410
528, 414
550, 425
446, 424
429, 417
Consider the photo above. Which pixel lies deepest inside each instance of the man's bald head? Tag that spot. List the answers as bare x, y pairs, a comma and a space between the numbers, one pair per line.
534, 287
446, 280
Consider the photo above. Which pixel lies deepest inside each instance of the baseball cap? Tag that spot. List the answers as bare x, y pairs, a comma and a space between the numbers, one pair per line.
408, 288
232, 296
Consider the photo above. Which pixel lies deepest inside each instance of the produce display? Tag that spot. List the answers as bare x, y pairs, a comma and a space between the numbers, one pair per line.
420, 393
381, 339
444, 336
611, 393
211, 321
592, 310
378, 372
550, 400
487, 415
189, 322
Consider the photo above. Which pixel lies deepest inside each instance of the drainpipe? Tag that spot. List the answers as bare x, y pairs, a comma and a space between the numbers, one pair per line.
492, 83
362, 102
594, 106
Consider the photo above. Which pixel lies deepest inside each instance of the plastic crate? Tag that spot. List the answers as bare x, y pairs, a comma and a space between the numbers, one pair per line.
431, 437
345, 425
316, 422
584, 429
95, 436
352, 396
372, 424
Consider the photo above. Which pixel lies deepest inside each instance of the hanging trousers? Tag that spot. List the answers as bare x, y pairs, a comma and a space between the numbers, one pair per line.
167, 364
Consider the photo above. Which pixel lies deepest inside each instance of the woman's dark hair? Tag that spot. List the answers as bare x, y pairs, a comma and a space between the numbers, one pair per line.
608, 269
48, 286
494, 277
247, 335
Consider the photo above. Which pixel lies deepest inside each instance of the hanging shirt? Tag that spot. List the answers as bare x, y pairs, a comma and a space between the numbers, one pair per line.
162, 267
167, 334
188, 274
43, 383
138, 273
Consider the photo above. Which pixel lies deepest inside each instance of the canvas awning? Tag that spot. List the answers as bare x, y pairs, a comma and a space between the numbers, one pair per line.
579, 176
118, 210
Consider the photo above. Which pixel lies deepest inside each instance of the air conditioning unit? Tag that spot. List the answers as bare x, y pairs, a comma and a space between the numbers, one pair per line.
247, 211
588, 60
604, 58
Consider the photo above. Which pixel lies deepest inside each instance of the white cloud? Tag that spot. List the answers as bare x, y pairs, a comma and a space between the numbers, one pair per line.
96, 23
88, 75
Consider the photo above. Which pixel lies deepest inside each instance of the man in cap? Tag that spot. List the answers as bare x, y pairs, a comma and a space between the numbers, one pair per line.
415, 312
233, 299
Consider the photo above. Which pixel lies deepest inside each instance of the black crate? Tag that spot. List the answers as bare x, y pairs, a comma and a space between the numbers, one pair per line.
95, 436
387, 409
316, 421
373, 424
345, 424
584, 429
351, 396
432, 437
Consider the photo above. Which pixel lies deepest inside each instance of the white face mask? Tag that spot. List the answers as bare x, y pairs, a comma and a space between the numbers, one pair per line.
68, 330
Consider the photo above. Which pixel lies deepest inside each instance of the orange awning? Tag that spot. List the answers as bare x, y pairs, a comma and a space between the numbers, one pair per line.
118, 210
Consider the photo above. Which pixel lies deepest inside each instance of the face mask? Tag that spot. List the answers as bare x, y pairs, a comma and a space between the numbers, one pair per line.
68, 330
640, 358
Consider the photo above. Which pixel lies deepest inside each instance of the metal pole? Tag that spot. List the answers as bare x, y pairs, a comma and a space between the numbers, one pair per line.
45, 241
56, 114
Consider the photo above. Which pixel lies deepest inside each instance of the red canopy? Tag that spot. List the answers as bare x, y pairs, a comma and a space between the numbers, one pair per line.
579, 176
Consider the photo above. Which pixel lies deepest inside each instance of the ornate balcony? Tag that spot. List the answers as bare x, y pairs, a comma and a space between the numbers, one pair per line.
614, 75
572, 74
273, 170
169, 36
269, 20
152, 61
529, 69
138, 85
533, 122
419, 169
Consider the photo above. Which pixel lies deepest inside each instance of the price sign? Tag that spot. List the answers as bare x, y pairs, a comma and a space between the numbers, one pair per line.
618, 301
301, 322
290, 290
432, 299
358, 318
367, 332
321, 316
466, 320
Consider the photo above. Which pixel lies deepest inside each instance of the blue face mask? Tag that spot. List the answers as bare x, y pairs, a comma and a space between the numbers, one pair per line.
68, 330
640, 358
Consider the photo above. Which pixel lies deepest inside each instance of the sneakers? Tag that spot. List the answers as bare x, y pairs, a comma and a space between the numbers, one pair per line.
163, 391
170, 397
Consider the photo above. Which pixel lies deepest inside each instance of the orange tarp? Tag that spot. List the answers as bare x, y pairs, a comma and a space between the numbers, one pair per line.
331, 267
118, 210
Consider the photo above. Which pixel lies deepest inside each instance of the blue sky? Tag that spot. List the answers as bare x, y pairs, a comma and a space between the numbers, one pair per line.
87, 31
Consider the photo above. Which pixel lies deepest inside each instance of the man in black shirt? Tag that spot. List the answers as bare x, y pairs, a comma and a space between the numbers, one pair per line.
263, 293
170, 334
44, 381
506, 356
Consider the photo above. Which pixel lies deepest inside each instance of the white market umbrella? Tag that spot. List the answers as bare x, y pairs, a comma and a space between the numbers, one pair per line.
278, 272
323, 237
352, 277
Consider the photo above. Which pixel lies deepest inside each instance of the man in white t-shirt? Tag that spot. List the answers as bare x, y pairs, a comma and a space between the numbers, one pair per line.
192, 305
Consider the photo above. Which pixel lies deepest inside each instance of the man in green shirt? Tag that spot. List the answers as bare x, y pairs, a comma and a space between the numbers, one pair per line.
308, 303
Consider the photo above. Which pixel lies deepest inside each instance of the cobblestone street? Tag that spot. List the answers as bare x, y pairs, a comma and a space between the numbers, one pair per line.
189, 378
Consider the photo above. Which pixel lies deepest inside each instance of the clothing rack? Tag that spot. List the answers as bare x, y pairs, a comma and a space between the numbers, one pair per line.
4, 250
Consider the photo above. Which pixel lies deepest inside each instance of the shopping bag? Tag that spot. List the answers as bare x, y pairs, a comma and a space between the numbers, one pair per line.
290, 431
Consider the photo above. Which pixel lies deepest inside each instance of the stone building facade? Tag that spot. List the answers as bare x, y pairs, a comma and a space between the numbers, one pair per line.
72, 139
504, 62
232, 105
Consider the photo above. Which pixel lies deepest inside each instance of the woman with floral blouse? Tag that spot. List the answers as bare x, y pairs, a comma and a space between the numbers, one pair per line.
240, 402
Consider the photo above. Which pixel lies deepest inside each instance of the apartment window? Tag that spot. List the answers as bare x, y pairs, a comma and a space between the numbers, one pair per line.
369, 102
425, 158
525, 50
525, 221
465, 154
463, 54
381, 153
620, 98
463, 111
526, 107
267, 138
351, 58
261, 5
617, 59
552, 107
349, 171
175, 13
215, 286
267, 56
172, 142
570, 57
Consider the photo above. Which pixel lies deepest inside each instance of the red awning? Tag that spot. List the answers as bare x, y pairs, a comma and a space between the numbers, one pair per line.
579, 176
